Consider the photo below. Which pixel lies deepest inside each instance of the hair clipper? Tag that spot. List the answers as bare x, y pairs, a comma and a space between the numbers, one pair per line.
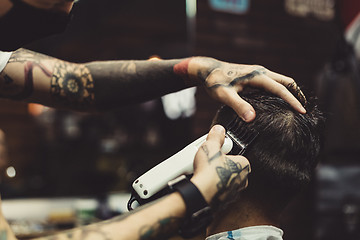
153, 184
150, 184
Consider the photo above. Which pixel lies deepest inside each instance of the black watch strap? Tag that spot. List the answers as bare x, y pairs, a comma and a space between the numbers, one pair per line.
198, 212
193, 198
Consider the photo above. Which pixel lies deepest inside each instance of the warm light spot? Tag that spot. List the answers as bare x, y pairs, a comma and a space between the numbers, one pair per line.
35, 109
11, 172
154, 58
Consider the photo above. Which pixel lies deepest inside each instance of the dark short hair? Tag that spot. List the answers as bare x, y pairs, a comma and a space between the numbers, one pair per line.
286, 151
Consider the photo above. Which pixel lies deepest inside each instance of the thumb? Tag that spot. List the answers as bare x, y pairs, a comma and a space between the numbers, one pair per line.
216, 136
210, 149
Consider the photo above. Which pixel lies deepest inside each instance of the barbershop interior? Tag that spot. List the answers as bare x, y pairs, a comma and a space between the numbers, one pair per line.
61, 169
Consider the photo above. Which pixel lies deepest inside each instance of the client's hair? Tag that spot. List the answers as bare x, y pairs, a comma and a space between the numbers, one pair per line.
284, 154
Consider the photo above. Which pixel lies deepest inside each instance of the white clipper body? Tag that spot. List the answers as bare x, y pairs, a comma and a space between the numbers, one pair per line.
180, 163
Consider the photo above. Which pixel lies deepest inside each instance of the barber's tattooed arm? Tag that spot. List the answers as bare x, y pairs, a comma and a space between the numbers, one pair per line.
124, 82
157, 220
215, 175
34, 77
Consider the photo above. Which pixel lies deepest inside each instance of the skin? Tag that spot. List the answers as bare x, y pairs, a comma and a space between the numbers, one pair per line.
161, 219
5, 6
241, 214
94, 86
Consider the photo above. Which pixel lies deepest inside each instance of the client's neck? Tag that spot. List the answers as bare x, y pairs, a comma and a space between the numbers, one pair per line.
239, 215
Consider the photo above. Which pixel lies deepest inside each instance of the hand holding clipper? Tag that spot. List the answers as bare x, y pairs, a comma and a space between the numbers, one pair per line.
181, 163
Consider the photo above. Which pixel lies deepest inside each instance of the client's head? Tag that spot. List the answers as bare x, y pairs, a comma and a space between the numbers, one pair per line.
283, 155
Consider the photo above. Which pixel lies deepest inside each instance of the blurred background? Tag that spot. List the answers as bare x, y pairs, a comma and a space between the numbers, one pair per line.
88, 161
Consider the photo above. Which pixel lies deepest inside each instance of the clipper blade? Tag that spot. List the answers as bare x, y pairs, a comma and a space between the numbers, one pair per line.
240, 135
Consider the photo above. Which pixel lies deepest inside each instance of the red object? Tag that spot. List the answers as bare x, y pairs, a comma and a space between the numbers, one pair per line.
182, 69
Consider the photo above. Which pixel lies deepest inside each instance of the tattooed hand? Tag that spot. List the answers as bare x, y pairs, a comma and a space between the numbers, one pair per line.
224, 80
215, 174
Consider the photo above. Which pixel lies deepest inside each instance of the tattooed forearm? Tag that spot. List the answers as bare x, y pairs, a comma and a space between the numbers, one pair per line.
163, 229
20, 89
72, 85
125, 82
114, 228
28, 81
59, 83
7, 86
23, 55
83, 233
182, 68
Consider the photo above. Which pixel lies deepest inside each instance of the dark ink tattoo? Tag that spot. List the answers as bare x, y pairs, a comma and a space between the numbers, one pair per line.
231, 179
31, 60
235, 81
7, 86
72, 85
70, 235
206, 150
216, 155
7, 80
204, 73
29, 82
163, 229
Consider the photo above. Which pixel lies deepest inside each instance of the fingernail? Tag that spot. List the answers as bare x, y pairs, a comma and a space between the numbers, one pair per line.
249, 115
219, 129
302, 109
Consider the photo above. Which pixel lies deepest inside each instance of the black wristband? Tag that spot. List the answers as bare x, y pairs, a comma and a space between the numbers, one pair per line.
198, 212
193, 198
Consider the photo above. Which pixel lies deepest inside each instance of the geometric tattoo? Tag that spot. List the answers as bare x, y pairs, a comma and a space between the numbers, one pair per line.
72, 84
